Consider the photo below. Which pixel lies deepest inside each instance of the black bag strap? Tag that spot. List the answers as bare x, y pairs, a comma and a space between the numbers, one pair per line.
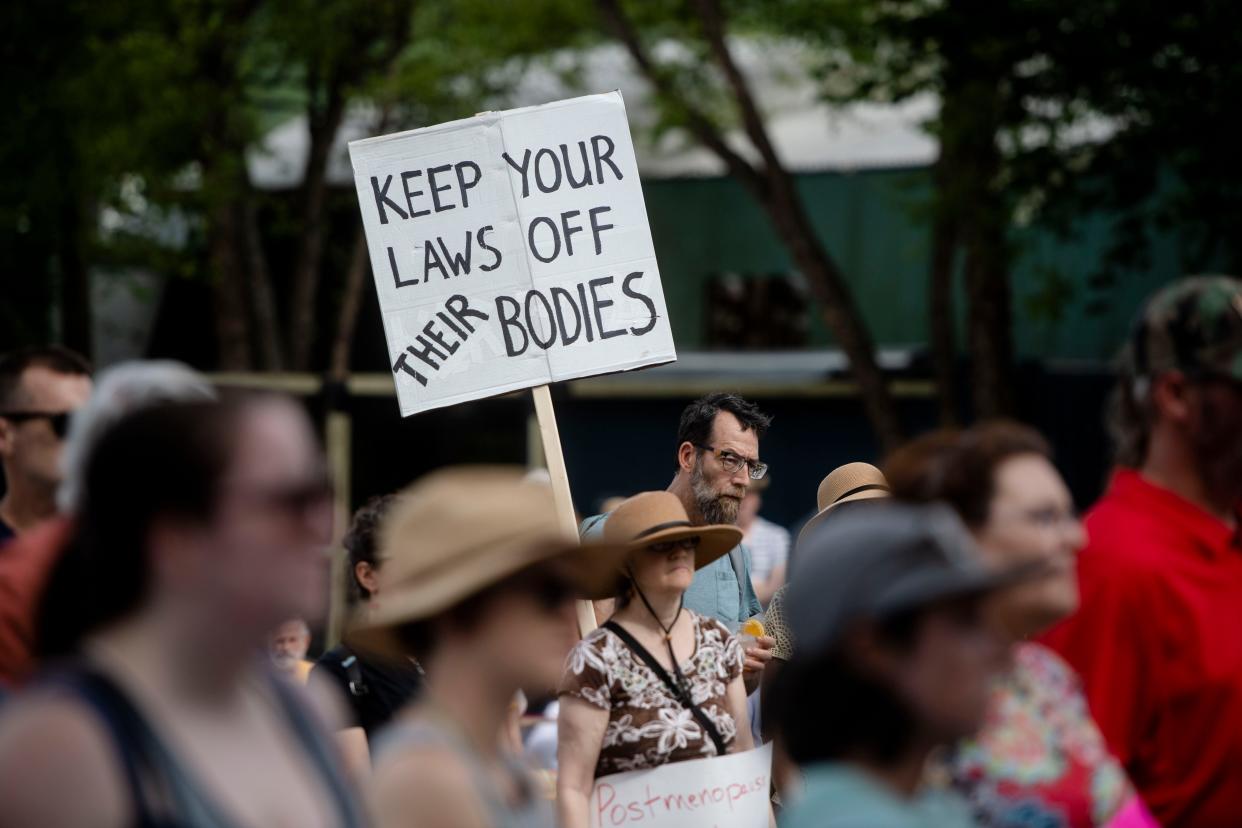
679, 690
353, 673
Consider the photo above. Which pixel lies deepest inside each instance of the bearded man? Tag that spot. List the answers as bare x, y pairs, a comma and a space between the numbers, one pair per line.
717, 458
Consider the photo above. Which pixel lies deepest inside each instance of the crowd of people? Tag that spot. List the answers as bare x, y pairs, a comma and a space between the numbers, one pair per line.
944, 643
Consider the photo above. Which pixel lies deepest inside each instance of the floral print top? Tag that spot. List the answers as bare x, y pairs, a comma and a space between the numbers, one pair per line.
647, 726
1040, 760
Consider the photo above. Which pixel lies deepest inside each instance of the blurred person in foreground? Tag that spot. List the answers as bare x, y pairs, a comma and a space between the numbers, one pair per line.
850, 483
479, 583
894, 659
287, 647
1156, 637
375, 687
39, 389
767, 542
200, 526
25, 563
717, 458
1040, 758
658, 683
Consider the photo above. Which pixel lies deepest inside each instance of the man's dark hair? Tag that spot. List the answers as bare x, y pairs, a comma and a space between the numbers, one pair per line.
52, 357
697, 418
361, 539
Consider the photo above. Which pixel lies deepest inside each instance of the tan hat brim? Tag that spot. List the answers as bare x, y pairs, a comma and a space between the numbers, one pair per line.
715, 541
594, 570
869, 494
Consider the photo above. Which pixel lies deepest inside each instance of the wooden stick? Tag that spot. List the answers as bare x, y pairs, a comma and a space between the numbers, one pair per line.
551, 438
338, 438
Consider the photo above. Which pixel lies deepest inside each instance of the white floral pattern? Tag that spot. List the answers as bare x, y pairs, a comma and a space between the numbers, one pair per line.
647, 726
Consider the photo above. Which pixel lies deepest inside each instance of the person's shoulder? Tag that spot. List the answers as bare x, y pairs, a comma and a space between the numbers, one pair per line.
332, 662
592, 528
713, 628
429, 779
51, 743
1043, 665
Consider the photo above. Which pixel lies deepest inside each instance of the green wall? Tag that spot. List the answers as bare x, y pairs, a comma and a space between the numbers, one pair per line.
874, 225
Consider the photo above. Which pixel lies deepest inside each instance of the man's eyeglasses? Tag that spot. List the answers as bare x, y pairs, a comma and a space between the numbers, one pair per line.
732, 462
58, 420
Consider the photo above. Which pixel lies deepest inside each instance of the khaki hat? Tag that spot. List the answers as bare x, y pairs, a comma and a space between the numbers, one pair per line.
458, 531
845, 484
660, 517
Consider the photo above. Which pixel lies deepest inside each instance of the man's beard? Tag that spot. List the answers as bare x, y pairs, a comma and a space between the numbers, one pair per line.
285, 661
714, 507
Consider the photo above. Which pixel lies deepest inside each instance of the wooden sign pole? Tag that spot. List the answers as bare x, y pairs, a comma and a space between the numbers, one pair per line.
551, 439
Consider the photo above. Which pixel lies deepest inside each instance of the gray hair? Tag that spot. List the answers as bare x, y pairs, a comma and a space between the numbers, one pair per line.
120, 390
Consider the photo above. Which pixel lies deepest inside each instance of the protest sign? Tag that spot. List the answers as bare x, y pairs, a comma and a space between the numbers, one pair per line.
724, 792
511, 250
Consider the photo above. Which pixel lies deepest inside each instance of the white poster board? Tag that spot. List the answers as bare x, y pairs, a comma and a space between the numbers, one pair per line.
511, 250
726, 792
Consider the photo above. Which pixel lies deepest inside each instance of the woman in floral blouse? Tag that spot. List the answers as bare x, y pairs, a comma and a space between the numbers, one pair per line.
1040, 760
617, 712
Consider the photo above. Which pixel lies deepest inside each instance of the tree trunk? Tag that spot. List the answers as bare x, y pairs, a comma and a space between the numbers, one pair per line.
229, 282
942, 337
774, 188
75, 281
351, 304
261, 295
990, 336
323, 125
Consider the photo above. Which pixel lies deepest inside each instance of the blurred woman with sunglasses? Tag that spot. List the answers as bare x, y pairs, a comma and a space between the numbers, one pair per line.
657, 683
478, 584
200, 526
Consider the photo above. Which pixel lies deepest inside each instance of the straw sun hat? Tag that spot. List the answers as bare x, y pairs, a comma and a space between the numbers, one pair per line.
458, 531
846, 484
659, 517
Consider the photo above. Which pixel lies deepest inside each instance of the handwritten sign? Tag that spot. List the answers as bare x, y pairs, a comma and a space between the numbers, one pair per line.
726, 791
511, 250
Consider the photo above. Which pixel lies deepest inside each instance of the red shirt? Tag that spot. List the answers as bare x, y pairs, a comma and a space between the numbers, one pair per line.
25, 564
1158, 643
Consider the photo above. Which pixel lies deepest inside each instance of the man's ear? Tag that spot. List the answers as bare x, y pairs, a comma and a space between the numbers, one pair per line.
1170, 396
6, 438
686, 455
367, 576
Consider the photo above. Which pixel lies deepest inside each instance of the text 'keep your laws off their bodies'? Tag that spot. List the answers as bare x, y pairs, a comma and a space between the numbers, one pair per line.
511, 250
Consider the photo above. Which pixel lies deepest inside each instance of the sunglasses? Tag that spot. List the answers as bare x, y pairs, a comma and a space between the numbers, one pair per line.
58, 420
664, 547
549, 588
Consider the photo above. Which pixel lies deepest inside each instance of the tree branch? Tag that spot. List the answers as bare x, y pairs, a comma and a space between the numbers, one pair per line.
699, 124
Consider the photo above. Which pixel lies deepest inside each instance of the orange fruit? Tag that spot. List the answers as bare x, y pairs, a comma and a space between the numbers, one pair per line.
753, 627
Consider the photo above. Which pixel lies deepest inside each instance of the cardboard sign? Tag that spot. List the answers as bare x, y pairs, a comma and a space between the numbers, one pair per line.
511, 250
726, 791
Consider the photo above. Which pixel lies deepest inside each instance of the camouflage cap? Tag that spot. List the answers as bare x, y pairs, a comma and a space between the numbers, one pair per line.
1193, 326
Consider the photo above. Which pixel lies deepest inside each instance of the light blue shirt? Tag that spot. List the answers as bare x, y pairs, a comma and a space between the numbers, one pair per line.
838, 795
715, 591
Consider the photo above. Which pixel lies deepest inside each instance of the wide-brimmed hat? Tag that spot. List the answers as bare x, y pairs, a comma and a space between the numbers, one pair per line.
846, 484
458, 531
660, 517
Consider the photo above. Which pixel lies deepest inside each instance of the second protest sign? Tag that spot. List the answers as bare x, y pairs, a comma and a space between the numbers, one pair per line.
511, 250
